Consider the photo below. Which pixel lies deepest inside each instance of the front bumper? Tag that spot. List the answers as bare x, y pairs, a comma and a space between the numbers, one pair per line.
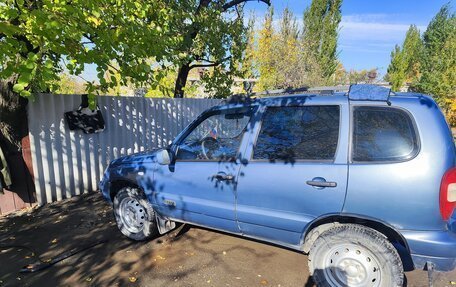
436, 247
104, 187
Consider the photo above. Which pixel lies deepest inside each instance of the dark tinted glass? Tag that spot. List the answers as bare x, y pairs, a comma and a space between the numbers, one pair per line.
383, 134
298, 133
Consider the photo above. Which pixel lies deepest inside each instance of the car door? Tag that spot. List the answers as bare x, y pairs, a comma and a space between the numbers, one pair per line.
198, 186
297, 169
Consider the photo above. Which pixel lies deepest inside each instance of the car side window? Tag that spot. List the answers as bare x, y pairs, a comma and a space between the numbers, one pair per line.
298, 133
216, 138
383, 134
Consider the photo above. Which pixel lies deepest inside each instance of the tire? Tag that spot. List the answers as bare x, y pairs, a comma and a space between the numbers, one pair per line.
354, 255
134, 215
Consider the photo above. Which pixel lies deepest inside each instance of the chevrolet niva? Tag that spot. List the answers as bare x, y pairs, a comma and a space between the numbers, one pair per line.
363, 182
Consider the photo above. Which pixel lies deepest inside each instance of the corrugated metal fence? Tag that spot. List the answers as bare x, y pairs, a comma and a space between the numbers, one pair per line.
68, 163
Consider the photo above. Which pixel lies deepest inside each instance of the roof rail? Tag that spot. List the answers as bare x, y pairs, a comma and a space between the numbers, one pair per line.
282, 91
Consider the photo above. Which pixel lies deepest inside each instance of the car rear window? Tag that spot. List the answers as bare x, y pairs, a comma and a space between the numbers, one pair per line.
383, 134
298, 133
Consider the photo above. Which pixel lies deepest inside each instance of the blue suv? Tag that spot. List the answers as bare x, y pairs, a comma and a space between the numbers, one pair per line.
363, 182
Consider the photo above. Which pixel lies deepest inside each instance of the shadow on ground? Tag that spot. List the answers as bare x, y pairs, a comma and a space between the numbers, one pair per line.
48, 231
187, 256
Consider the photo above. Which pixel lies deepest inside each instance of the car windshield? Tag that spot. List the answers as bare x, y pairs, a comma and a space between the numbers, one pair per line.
219, 126
216, 137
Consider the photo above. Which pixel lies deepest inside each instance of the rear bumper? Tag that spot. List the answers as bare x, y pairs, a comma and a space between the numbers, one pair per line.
437, 247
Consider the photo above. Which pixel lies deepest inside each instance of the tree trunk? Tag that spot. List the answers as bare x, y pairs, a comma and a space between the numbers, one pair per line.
13, 128
181, 80
13, 117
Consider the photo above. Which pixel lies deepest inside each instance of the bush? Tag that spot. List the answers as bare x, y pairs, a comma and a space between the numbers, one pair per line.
451, 117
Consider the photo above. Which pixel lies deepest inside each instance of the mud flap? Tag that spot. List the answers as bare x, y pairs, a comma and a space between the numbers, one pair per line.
430, 270
164, 225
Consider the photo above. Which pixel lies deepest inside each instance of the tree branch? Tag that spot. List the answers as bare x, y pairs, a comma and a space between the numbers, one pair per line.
210, 63
113, 67
236, 2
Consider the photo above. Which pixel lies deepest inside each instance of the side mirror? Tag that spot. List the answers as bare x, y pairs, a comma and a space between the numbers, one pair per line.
163, 157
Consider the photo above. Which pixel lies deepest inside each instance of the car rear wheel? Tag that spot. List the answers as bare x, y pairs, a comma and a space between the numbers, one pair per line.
354, 255
134, 215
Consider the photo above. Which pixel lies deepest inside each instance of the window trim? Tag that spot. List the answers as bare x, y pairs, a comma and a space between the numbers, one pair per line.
417, 149
263, 113
203, 117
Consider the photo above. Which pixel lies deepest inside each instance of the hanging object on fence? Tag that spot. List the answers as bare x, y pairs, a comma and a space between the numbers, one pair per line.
88, 120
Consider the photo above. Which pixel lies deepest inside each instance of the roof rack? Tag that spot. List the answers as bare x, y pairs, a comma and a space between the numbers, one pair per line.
282, 91
354, 92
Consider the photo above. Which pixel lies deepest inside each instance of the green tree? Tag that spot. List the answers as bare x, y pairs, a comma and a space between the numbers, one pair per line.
320, 34
396, 69
39, 39
142, 42
213, 35
405, 60
412, 49
438, 64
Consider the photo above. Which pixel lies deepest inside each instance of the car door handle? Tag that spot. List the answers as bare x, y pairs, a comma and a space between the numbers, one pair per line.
223, 177
321, 183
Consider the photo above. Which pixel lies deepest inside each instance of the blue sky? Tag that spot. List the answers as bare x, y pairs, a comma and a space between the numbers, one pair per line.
369, 29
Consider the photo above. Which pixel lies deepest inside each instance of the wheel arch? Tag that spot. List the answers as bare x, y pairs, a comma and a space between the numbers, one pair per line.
320, 225
116, 185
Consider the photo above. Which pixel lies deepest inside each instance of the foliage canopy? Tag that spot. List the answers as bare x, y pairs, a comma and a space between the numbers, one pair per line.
142, 41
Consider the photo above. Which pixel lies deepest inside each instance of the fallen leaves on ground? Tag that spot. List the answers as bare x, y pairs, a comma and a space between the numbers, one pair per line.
159, 257
132, 279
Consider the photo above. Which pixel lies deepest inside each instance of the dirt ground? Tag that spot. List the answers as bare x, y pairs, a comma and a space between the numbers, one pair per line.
187, 256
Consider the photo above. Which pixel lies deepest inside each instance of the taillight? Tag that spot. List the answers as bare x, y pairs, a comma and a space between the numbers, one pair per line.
448, 194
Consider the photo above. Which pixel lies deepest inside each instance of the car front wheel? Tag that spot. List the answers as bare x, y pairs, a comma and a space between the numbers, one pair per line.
134, 215
354, 255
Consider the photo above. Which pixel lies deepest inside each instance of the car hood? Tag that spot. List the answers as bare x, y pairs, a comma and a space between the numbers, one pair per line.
136, 158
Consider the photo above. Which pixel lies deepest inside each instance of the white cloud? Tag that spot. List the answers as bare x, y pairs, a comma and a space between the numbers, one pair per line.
373, 28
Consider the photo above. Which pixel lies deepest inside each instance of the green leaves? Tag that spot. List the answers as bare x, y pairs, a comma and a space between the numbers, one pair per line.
17, 88
25, 93
9, 29
321, 22
405, 60
130, 42
439, 58
428, 63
